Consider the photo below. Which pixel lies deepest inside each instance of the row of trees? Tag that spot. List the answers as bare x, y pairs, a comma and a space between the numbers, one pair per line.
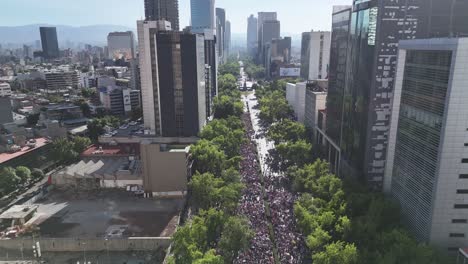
12, 178
97, 126
343, 221
215, 234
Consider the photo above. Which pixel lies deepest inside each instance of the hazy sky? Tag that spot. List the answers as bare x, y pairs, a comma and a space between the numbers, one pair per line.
295, 15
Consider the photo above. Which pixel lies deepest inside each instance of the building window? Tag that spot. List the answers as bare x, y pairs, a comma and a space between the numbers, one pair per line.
461, 206
463, 176
456, 235
464, 160
464, 191
459, 221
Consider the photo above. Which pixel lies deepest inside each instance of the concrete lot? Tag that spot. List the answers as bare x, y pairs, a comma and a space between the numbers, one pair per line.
94, 215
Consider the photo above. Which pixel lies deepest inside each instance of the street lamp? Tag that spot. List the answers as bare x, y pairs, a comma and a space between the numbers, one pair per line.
107, 249
84, 252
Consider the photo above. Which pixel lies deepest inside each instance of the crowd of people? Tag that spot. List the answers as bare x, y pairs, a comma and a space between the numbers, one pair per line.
289, 242
252, 203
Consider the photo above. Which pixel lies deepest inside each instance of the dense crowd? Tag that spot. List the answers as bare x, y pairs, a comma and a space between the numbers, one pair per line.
252, 206
281, 200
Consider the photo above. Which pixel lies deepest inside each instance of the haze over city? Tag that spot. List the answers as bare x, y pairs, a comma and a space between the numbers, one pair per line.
234, 131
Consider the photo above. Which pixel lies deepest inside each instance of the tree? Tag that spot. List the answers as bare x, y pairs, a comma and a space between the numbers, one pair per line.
286, 130
226, 82
8, 180
63, 151
210, 257
304, 178
297, 153
225, 106
208, 157
32, 119
338, 252
97, 125
84, 106
230, 68
227, 134
205, 189
236, 237
37, 174
80, 144
88, 92
23, 173
214, 221
274, 107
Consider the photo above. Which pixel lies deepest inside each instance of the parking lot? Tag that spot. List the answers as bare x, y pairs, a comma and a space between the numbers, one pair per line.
108, 214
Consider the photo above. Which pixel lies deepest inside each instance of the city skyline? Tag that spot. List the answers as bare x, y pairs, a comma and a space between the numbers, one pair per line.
79, 14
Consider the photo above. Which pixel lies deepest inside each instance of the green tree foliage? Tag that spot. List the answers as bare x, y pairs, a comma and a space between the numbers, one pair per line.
67, 151
210, 257
226, 133
232, 67
227, 83
63, 151
224, 106
236, 236
84, 106
96, 126
37, 174
80, 144
297, 153
88, 92
8, 180
274, 107
255, 71
32, 119
286, 130
23, 173
208, 157
338, 252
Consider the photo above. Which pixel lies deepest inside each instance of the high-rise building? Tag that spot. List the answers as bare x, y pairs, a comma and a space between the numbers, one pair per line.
337, 75
270, 30
62, 79
212, 70
121, 45
427, 162
375, 30
305, 54
252, 35
220, 32
6, 109
50, 48
262, 18
163, 10
202, 15
227, 39
315, 55
172, 71
279, 56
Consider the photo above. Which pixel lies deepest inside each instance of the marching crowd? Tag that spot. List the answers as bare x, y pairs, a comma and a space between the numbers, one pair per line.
288, 242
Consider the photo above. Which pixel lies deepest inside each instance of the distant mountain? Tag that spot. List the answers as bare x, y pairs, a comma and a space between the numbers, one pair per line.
95, 34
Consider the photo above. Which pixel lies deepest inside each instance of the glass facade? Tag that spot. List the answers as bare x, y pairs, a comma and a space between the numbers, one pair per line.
337, 73
360, 67
421, 115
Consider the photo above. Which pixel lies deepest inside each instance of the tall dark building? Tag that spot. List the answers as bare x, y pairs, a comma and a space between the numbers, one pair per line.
376, 27
163, 10
220, 32
50, 48
172, 72
305, 55
211, 75
337, 73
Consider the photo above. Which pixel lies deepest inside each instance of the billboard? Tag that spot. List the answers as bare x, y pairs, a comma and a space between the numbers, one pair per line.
290, 72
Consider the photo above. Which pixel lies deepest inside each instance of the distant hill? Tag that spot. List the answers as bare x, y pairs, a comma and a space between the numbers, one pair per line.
95, 34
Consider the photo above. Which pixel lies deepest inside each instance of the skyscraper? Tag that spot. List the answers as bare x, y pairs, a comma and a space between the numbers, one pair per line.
305, 55
121, 45
172, 72
270, 30
227, 39
220, 32
252, 35
202, 15
49, 42
262, 18
376, 28
337, 78
427, 163
163, 10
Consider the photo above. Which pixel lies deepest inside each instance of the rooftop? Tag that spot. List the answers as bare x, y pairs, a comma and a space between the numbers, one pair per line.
18, 212
104, 151
40, 142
